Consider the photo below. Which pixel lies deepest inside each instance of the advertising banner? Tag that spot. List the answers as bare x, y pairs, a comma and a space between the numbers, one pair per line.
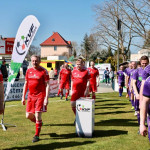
53, 87
23, 40
9, 47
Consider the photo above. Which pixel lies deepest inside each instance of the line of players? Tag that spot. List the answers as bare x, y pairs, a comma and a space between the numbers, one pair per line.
136, 78
37, 82
83, 80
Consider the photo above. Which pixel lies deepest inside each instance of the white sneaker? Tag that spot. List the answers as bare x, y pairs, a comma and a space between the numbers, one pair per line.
135, 114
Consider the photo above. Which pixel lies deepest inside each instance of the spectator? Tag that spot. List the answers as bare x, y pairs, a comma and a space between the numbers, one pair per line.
4, 70
111, 75
25, 65
106, 74
51, 74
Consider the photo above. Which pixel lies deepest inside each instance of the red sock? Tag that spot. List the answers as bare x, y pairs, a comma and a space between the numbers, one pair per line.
74, 110
67, 93
93, 97
33, 119
58, 92
38, 127
88, 95
62, 92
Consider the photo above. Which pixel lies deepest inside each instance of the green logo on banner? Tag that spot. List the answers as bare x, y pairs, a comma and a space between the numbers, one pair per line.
14, 67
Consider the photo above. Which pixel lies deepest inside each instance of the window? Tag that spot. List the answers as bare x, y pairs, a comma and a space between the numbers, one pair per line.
55, 48
49, 65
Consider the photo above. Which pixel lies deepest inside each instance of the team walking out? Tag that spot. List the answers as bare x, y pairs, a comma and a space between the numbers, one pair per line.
82, 82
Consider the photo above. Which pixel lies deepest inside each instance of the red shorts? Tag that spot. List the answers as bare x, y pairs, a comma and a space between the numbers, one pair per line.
77, 94
64, 85
35, 104
93, 88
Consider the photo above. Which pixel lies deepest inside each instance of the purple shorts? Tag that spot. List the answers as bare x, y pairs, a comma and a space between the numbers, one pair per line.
146, 90
121, 84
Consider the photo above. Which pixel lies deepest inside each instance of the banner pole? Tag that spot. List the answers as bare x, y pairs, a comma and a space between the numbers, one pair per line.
2, 121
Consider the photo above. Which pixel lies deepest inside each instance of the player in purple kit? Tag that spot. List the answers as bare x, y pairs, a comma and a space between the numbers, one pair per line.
120, 80
145, 102
127, 80
130, 75
137, 79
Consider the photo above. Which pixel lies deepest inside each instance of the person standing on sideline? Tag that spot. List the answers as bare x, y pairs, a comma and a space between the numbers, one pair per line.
106, 74
64, 80
4, 70
25, 65
37, 81
121, 80
80, 83
94, 79
1, 94
51, 74
111, 75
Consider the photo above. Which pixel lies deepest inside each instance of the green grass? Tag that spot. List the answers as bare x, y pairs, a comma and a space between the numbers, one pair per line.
115, 127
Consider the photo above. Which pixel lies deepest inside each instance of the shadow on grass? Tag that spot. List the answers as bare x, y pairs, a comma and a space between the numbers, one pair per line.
97, 133
115, 112
106, 100
52, 146
107, 133
117, 122
108, 107
65, 124
114, 104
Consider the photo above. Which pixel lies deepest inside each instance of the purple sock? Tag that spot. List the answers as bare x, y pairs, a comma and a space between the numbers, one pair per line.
148, 123
132, 102
119, 91
136, 105
138, 118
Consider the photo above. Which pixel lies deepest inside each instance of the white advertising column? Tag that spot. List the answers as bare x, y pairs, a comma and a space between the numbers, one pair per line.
85, 108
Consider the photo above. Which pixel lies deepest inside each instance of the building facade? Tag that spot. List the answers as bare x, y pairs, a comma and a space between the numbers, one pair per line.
56, 45
142, 52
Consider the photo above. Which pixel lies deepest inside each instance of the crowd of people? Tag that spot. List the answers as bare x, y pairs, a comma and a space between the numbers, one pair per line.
83, 81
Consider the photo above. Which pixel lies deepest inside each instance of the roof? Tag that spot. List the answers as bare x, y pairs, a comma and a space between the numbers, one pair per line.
56, 39
9, 39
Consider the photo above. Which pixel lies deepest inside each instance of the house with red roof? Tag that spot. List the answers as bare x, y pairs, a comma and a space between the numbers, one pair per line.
56, 45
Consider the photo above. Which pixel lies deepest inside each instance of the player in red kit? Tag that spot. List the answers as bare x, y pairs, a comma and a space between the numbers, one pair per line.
80, 83
64, 80
37, 81
94, 75
1, 94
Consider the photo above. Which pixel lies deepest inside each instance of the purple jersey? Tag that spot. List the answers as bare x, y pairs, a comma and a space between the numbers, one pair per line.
129, 74
121, 76
146, 72
137, 75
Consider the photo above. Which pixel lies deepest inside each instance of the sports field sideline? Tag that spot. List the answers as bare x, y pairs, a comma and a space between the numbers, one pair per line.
116, 127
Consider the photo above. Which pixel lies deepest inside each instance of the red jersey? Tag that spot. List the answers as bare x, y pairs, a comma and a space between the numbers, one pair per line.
65, 74
1, 77
93, 74
36, 79
80, 78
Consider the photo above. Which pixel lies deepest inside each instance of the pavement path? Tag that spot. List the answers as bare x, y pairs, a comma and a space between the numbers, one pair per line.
103, 88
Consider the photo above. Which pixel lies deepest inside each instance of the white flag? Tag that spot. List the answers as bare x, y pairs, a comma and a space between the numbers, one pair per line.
23, 40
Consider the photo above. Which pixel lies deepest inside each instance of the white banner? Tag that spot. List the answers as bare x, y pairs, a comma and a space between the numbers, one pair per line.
53, 87
23, 40
17, 89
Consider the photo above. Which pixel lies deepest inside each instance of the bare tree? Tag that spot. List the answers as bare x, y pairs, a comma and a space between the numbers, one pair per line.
135, 23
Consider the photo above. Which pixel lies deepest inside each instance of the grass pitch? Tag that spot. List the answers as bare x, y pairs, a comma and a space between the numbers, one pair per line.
116, 127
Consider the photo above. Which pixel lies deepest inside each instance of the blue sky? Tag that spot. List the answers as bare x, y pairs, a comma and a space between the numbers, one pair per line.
71, 18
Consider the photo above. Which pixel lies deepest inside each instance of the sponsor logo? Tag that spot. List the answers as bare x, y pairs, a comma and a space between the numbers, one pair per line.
82, 108
24, 41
